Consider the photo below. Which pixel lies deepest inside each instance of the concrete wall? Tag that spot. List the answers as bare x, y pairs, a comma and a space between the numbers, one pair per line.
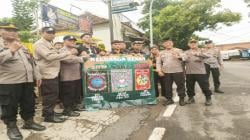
102, 32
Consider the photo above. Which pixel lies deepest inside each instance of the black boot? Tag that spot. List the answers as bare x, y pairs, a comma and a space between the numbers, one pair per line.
13, 131
191, 100
53, 119
169, 102
182, 101
30, 124
208, 101
217, 90
71, 114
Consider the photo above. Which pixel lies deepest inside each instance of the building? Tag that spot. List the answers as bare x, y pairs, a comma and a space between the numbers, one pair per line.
122, 29
234, 46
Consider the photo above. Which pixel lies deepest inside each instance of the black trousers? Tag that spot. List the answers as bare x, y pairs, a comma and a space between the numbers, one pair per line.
161, 80
202, 80
71, 94
215, 74
13, 96
50, 93
179, 80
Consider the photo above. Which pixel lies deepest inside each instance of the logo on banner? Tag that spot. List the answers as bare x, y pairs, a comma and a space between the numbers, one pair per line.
121, 80
97, 81
142, 79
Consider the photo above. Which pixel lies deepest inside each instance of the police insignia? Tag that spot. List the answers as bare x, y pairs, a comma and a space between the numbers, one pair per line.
97, 81
121, 80
142, 79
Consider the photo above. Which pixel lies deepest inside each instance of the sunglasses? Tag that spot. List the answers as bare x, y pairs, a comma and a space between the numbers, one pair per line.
50, 32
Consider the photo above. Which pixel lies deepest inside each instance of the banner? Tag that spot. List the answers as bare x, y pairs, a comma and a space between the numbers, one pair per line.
58, 18
117, 81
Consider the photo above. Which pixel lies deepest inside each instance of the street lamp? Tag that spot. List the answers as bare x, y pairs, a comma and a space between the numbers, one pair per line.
151, 23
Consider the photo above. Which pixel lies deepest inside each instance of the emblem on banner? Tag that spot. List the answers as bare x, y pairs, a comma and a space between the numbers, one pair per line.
142, 79
97, 81
121, 80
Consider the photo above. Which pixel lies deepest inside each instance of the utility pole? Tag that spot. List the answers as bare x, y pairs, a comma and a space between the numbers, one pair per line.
110, 20
151, 24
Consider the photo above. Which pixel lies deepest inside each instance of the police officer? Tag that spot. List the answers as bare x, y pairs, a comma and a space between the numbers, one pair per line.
116, 47
18, 72
169, 64
157, 79
137, 47
123, 48
196, 72
213, 64
87, 49
70, 78
48, 59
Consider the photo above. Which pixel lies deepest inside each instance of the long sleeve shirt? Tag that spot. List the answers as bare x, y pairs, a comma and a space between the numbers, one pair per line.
70, 68
215, 61
16, 67
169, 61
194, 61
48, 59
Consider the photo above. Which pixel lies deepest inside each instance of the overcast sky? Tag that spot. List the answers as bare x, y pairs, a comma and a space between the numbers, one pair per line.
239, 32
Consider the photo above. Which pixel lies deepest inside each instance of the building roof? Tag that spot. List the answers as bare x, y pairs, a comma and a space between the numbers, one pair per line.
232, 46
94, 19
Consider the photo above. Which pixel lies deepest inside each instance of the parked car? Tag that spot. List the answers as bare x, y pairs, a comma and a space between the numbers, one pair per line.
245, 54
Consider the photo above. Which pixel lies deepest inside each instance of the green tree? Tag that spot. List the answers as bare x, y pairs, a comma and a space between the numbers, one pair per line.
180, 19
24, 12
6, 20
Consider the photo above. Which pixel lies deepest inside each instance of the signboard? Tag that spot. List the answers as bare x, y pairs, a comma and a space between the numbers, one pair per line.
117, 81
119, 6
58, 18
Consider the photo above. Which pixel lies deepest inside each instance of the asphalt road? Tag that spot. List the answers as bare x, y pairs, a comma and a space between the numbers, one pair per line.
227, 119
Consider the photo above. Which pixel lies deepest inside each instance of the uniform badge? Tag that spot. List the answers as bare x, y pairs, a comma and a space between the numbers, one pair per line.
142, 79
97, 81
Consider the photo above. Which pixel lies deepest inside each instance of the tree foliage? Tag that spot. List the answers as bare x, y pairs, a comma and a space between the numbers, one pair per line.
6, 20
24, 12
180, 19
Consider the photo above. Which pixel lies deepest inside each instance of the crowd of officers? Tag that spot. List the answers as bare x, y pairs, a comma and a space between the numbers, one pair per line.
185, 68
56, 70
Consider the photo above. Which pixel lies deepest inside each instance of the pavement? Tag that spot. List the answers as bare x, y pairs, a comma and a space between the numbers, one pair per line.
227, 119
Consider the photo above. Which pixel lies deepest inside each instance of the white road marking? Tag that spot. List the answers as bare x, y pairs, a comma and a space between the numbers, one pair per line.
157, 133
169, 111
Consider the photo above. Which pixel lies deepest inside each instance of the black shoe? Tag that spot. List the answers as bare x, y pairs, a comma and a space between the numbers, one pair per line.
218, 91
191, 100
54, 119
169, 102
182, 102
79, 108
30, 124
13, 131
208, 101
71, 114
